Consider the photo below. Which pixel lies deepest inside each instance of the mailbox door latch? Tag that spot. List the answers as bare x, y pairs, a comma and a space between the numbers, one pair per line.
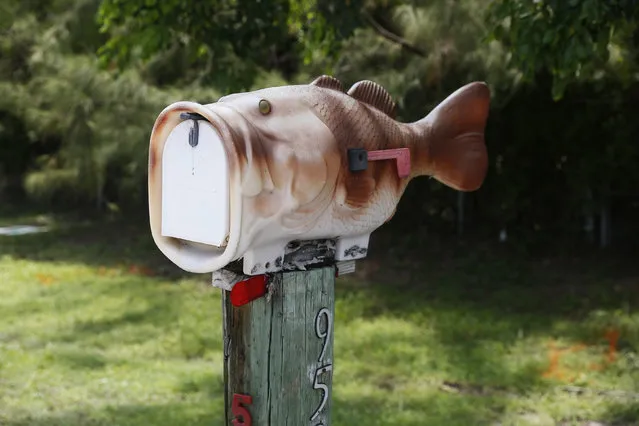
194, 133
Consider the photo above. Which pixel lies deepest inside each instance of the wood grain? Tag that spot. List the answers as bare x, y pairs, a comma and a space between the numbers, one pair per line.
272, 350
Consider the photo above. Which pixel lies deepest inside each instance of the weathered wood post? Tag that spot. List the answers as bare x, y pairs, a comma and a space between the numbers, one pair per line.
278, 359
278, 339
276, 192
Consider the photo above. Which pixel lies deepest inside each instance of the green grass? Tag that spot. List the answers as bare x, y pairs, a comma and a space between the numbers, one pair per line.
97, 328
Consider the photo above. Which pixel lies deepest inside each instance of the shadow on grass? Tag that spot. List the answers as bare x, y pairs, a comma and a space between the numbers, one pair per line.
77, 358
622, 414
210, 385
473, 304
365, 411
186, 414
155, 312
418, 410
478, 306
98, 243
118, 311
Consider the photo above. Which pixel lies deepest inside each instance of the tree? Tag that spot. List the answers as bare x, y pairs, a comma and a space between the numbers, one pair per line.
231, 39
573, 40
73, 132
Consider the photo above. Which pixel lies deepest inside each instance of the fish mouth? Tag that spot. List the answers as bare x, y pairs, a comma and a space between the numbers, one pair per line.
194, 186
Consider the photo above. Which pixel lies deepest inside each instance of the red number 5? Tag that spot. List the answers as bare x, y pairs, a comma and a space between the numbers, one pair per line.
241, 411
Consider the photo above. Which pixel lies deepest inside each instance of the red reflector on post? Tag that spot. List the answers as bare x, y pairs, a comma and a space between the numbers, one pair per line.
248, 290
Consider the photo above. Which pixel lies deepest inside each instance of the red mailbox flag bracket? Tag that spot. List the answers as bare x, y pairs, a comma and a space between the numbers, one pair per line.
248, 290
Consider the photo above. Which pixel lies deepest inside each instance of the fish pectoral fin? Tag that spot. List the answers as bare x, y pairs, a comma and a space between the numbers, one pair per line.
374, 95
328, 82
458, 151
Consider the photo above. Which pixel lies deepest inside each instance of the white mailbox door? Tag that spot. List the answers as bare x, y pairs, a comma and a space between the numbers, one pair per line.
195, 186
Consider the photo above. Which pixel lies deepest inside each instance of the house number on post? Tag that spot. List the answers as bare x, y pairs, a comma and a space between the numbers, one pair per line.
322, 334
240, 410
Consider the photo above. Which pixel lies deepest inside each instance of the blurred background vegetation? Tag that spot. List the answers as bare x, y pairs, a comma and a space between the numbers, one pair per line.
441, 324
81, 82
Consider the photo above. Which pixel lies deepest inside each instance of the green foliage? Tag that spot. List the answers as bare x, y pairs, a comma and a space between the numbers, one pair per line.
446, 50
550, 161
232, 40
98, 122
321, 26
47, 186
7, 14
235, 37
81, 83
574, 40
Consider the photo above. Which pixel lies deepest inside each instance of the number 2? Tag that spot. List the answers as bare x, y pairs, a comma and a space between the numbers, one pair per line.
239, 410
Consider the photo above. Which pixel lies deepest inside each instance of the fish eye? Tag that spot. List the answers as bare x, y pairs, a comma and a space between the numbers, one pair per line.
264, 106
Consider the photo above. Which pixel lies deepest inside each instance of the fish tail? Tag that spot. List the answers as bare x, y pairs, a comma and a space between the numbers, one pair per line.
448, 144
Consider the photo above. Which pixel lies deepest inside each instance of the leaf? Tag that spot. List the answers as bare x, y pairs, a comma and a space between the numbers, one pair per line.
558, 88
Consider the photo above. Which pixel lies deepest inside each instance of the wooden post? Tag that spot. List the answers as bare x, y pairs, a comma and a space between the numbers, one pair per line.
278, 356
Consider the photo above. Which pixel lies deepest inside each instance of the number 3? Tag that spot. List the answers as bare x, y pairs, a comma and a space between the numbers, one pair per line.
241, 411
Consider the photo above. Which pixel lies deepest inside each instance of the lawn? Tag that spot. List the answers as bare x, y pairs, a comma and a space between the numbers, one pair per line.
98, 328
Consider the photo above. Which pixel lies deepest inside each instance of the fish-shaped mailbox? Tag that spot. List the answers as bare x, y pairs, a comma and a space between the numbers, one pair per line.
243, 177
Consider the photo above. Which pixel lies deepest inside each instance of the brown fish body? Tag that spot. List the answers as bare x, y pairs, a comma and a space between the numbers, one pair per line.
287, 151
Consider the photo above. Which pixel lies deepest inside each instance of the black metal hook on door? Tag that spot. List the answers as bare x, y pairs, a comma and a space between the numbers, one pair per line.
194, 133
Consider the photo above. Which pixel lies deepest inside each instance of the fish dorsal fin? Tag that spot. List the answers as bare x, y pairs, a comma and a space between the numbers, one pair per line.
328, 82
374, 95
